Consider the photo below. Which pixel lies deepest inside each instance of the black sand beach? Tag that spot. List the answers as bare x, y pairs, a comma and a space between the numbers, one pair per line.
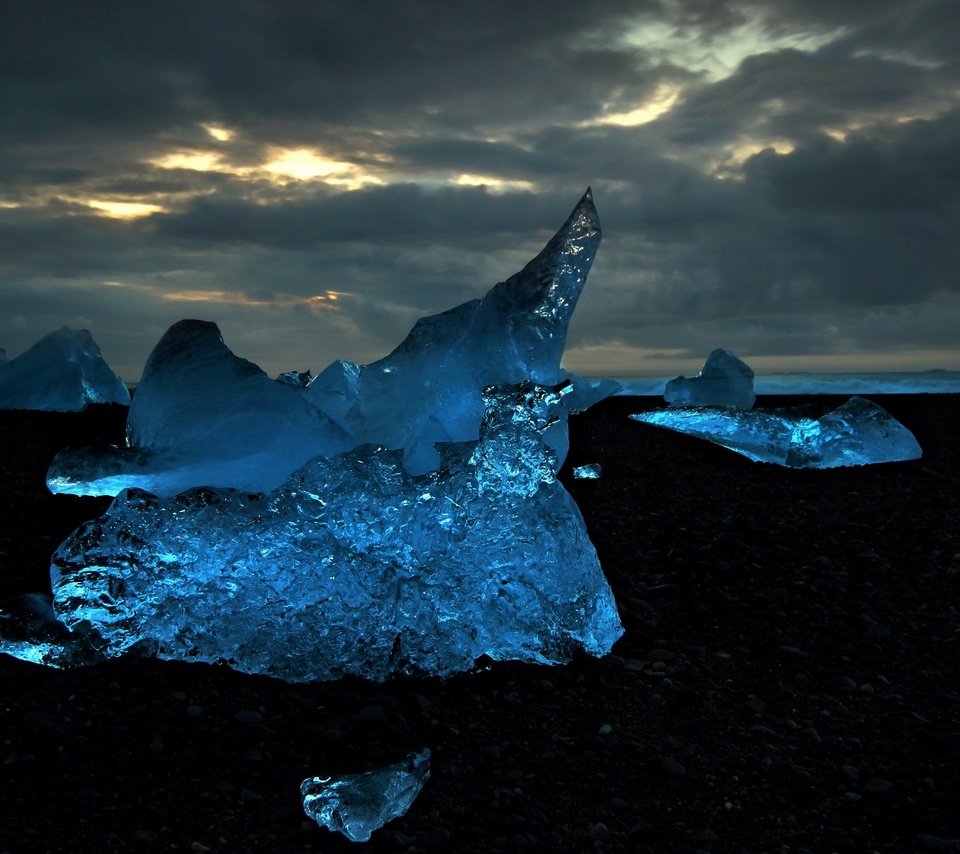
788, 679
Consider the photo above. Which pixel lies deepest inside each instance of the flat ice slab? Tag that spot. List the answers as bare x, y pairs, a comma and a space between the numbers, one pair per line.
64, 371
358, 804
858, 433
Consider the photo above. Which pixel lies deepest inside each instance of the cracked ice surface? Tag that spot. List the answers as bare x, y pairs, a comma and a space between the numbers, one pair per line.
858, 433
353, 566
358, 804
724, 380
64, 371
204, 417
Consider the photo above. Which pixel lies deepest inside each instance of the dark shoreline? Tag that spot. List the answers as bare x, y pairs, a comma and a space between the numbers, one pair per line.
791, 642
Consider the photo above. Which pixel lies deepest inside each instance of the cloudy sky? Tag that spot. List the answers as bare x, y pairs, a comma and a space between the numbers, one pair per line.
778, 177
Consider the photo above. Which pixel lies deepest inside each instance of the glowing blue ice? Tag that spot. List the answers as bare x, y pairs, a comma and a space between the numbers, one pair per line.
358, 804
353, 566
63, 371
857, 433
204, 417
592, 471
724, 380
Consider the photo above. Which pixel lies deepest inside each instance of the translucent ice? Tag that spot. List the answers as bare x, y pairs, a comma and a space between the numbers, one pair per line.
63, 371
298, 379
724, 380
429, 388
204, 417
588, 472
858, 433
354, 566
358, 804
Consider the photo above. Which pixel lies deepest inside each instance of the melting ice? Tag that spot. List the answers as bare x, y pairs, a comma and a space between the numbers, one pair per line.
63, 371
858, 433
358, 804
204, 417
352, 566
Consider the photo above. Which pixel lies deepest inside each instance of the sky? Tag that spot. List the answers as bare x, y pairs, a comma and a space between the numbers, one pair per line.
777, 177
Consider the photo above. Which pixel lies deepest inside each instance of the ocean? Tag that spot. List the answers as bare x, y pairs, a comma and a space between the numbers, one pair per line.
905, 382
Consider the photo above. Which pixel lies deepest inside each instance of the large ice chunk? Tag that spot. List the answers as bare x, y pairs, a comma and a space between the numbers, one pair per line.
358, 804
724, 380
429, 388
353, 566
858, 433
63, 371
202, 416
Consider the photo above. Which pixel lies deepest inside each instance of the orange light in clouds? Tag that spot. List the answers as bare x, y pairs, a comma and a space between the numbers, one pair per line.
123, 210
325, 300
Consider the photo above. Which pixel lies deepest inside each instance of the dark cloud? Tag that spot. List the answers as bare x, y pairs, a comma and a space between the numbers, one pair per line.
806, 200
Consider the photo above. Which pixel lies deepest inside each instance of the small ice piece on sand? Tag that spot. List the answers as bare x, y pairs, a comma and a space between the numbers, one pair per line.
63, 372
858, 433
588, 472
724, 380
358, 804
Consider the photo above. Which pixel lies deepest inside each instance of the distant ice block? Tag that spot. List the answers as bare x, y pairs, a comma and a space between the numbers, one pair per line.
592, 471
204, 417
358, 804
857, 433
64, 371
353, 566
724, 380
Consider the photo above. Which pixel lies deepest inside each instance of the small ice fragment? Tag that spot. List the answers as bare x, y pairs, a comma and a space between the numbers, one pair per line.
298, 379
724, 380
358, 804
857, 433
588, 472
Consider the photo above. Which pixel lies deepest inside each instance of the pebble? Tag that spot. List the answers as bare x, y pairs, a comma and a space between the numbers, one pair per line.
877, 786
849, 772
605, 729
195, 711
248, 716
373, 714
668, 768
599, 832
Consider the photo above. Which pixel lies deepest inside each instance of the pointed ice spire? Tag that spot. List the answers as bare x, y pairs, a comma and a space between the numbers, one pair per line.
429, 388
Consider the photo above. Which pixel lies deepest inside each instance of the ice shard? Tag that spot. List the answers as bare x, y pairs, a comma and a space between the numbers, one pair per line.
724, 380
358, 804
858, 433
429, 389
353, 565
203, 417
64, 371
